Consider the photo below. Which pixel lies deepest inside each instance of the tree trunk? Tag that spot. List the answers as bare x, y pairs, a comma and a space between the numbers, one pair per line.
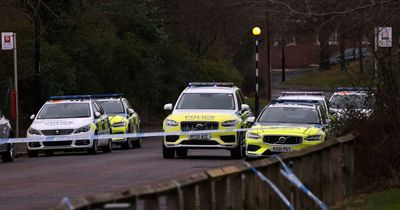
342, 46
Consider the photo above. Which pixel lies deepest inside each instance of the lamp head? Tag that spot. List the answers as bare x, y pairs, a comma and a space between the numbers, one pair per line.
256, 31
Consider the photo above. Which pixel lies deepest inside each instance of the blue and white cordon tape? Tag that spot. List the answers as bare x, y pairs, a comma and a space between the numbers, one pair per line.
289, 175
272, 185
109, 136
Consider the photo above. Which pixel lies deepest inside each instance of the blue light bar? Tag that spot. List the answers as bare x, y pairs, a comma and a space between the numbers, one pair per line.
352, 89
70, 97
80, 97
295, 101
303, 93
205, 84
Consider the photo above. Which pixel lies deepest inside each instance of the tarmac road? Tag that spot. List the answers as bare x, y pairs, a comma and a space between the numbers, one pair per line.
40, 183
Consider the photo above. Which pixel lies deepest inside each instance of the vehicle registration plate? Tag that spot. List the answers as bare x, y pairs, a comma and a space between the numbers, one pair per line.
281, 149
199, 136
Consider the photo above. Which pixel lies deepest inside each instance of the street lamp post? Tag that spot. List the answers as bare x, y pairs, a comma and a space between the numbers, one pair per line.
256, 32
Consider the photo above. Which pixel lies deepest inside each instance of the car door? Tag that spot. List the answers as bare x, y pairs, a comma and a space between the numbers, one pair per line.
132, 117
101, 122
243, 114
326, 121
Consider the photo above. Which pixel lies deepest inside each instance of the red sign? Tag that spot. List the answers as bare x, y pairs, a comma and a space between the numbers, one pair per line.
7, 39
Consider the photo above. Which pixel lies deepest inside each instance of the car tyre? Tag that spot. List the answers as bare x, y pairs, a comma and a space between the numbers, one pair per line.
238, 152
182, 152
8, 156
168, 153
94, 148
127, 145
32, 153
137, 143
108, 148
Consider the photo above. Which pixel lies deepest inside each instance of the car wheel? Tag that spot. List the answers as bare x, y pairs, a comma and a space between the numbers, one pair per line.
182, 152
108, 148
238, 152
33, 153
127, 145
94, 148
168, 153
8, 156
137, 143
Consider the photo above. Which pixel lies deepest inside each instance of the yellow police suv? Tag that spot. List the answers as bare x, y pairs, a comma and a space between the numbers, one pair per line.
285, 126
206, 107
122, 117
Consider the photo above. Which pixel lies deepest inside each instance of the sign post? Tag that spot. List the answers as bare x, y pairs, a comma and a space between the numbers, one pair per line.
385, 36
9, 42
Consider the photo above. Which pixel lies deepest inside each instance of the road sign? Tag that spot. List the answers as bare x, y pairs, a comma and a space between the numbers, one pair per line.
7, 41
385, 36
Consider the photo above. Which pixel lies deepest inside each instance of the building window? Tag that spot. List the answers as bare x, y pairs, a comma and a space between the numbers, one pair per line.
317, 40
292, 42
333, 38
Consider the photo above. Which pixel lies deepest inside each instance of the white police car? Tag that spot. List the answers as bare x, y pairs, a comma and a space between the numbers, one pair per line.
302, 96
6, 149
75, 118
352, 102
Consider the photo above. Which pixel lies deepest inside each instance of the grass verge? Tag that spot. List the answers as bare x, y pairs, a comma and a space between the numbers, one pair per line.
386, 200
328, 79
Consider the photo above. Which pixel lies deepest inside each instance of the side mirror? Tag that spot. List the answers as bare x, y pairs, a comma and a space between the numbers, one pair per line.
250, 120
32, 117
332, 111
131, 111
97, 114
168, 107
245, 107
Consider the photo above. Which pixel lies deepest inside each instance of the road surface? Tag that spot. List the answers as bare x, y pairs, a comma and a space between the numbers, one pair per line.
39, 183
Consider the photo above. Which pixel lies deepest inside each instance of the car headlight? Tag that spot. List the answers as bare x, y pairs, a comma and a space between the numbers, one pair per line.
253, 135
34, 131
119, 124
83, 129
172, 123
230, 123
314, 138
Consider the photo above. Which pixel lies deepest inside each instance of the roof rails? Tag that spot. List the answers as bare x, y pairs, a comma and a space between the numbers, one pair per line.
207, 84
295, 101
305, 93
80, 97
353, 89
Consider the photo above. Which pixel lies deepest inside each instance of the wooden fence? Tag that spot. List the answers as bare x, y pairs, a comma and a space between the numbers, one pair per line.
327, 170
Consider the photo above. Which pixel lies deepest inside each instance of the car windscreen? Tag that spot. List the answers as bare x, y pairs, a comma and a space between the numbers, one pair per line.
206, 101
351, 102
112, 107
289, 115
64, 110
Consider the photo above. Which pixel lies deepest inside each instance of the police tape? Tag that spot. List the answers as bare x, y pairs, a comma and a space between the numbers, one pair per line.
116, 136
272, 185
289, 175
